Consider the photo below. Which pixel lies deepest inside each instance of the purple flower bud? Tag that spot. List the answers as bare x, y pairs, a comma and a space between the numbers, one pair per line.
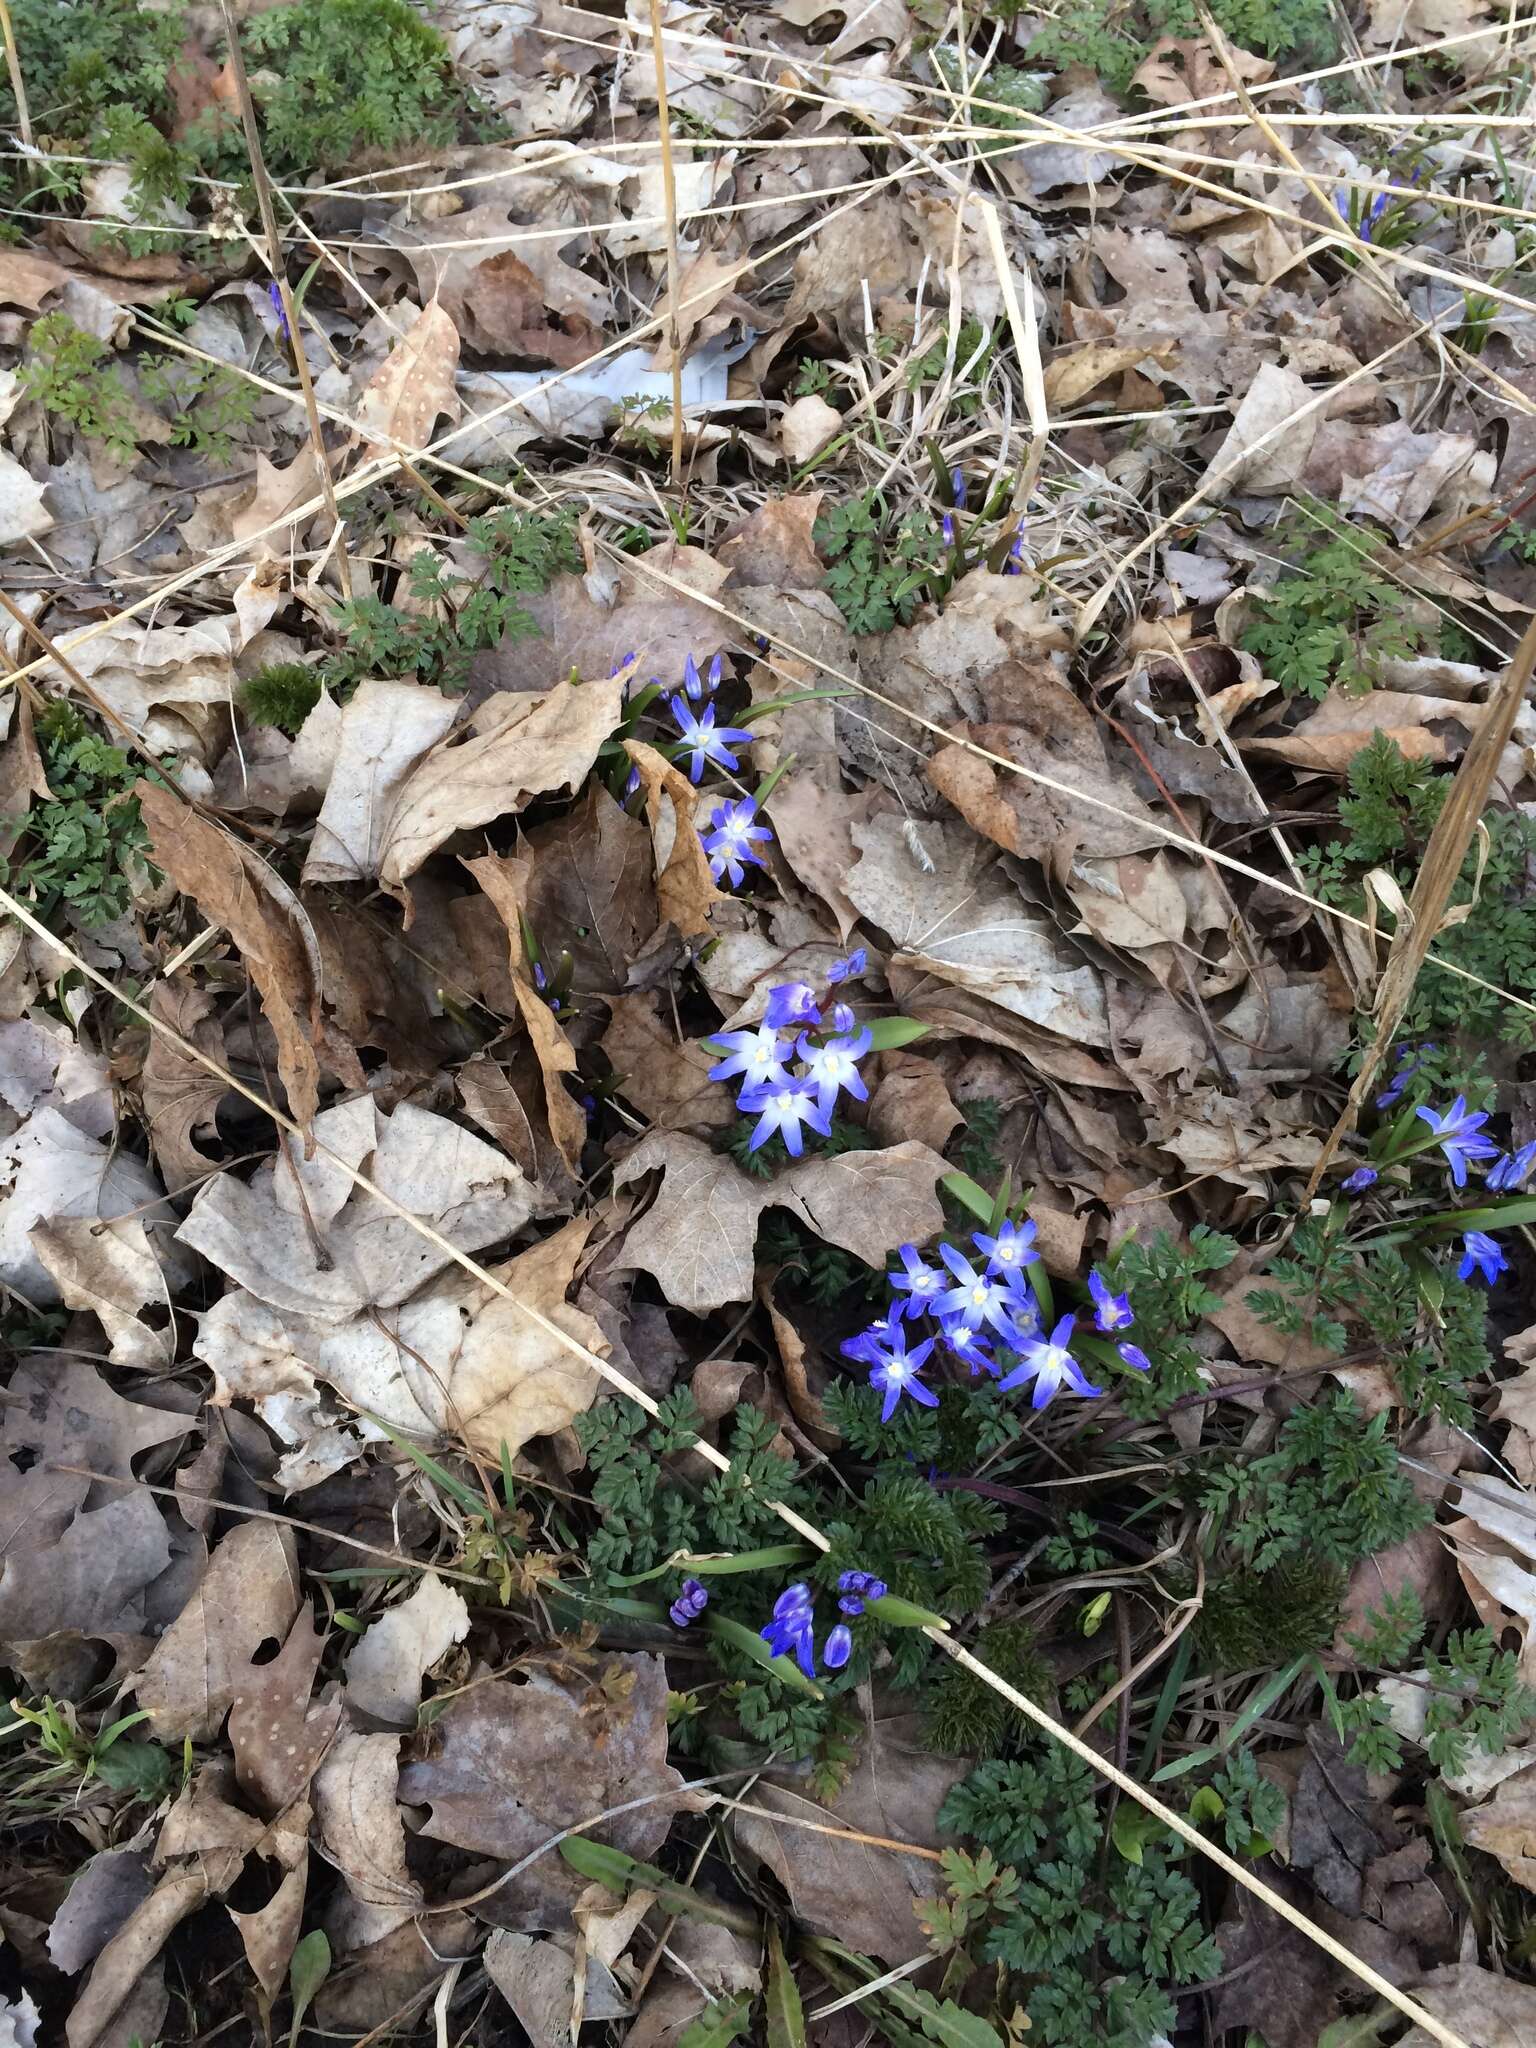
842, 1018
957, 487
274, 293
1135, 1357
1362, 1178
839, 1648
947, 528
689, 1604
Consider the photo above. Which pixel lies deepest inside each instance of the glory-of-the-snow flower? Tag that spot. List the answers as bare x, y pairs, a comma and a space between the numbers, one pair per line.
1459, 1134
1111, 1311
703, 740
759, 1056
1050, 1364
833, 1068
781, 1108
1481, 1254
896, 1370
732, 839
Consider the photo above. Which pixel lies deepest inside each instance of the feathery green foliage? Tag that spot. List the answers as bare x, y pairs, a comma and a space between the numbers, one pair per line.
79, 848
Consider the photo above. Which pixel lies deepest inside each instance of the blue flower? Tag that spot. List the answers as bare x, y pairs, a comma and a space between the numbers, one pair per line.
868, 1347
849, 968
701, 737
1048, 1365
1344, 201
838, 1647
841, 1019
1458, 1131
731, 839
1511, 1170
274, 293
856, 1588
792, 1003
1409, 1060
1481, 1254
1014, 566
947, 527
631, 785
835, 1066
689, 1604
896, 1373
918, 1281
968, 1345
1110, 1311
783, 1106
981, 1298
957, 487
791, 1626
697, 685
756, 1055
1135, 1357
1011, 1250
1362, 1178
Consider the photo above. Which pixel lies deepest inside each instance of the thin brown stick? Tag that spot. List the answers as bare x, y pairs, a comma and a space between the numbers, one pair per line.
1438, 874
13, 66
278, 268
674, 286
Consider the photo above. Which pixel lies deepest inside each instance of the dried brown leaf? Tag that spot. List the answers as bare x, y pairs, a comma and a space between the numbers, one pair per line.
194, 1673
413, 386
697, 1236
525, 745
685, 889
236, 889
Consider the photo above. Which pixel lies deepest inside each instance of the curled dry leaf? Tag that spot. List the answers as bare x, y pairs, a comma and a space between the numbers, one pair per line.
235, 888
685, 889
667, 1081
250, 1593
954, 913
384, 1669
180, 1096
460, 1360
524, 745
51, 1170
697, 1236
504, 880
358, 1811
112, 1270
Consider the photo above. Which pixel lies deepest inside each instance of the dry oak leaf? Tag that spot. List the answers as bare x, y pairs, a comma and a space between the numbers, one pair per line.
807, 426
685, 888
774, 548
708, 281
385, 1667
516, 1763
504, 879
460, 1359
524, 745
1485, 2009
698, 1234
249, 1593
277, 1732
589, 878
413, 385
22, 511
235, 888
667, 1080
111, 1270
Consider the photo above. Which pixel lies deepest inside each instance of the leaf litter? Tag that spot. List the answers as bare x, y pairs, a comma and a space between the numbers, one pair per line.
1095, 534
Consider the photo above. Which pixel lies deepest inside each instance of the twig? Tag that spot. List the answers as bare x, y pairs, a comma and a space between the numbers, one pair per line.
278, 268
13, 66
674, 288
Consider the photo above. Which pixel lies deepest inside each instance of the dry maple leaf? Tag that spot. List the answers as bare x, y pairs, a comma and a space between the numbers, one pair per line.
697, 1236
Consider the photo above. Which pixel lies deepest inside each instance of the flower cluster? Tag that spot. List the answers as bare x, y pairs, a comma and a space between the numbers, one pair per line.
793, 1627
827, 1046
987, 1317
689, 1604
1459, 1135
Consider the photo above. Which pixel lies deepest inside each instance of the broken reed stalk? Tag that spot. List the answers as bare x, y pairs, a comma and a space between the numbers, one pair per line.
13, 66
1438, 874
941, 1636
290, 309
669, 198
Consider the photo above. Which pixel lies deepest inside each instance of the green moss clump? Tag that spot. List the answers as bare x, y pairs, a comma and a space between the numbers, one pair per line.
1265, 1618
282, 694
967, 1718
